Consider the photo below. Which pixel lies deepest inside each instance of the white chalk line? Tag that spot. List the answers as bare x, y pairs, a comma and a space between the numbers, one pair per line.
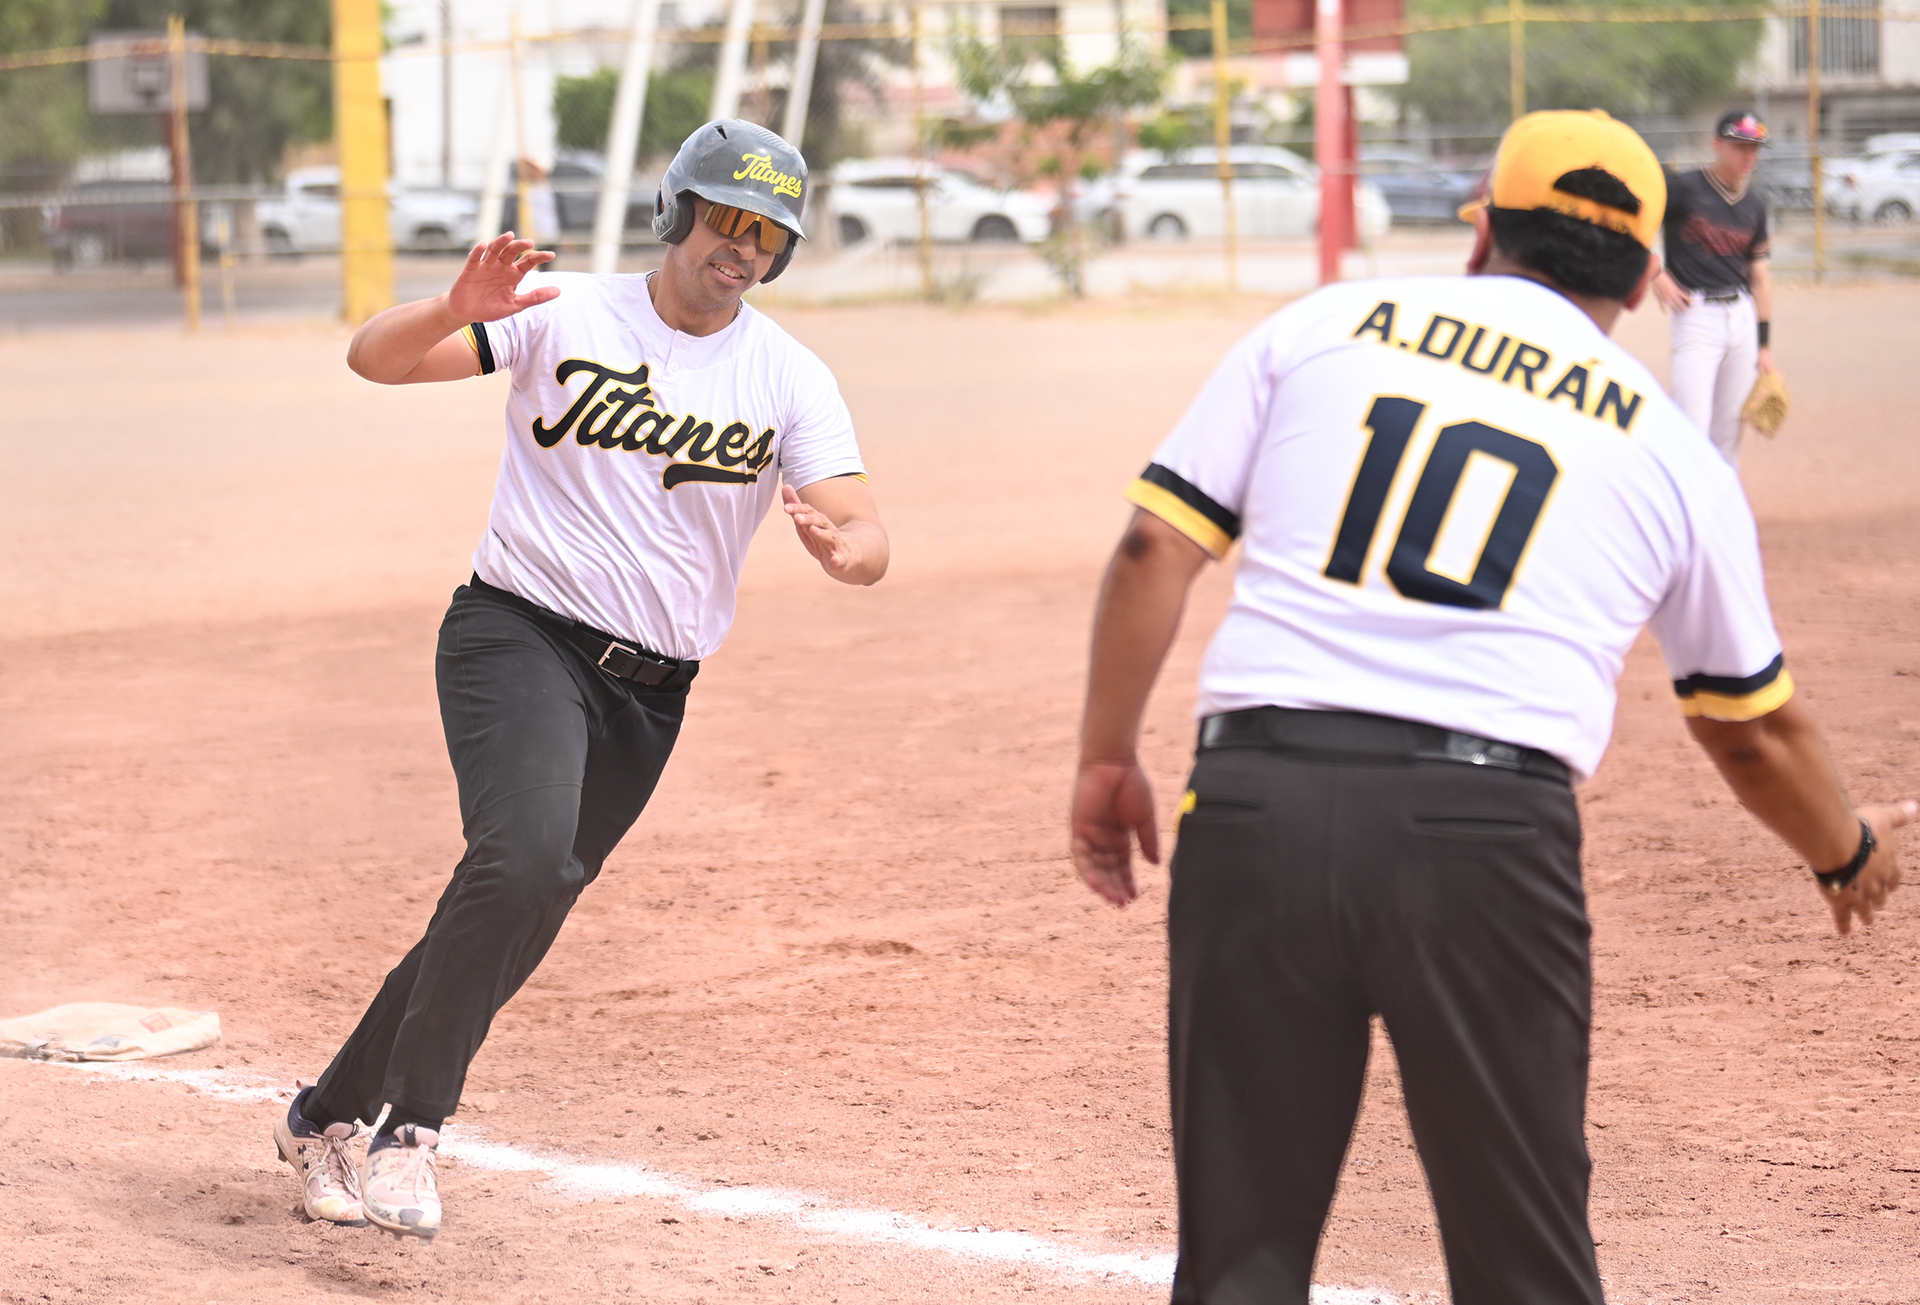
805, 1211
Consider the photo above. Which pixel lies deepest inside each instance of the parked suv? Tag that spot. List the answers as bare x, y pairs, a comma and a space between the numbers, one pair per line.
1275, 193
307, 218
108, 221
875, 199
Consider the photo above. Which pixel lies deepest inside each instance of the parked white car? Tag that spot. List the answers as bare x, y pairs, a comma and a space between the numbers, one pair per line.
873, 199
1883, 187
307, 220
1275, 193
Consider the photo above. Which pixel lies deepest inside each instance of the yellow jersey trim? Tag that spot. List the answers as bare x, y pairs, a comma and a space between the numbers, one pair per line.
1737, 707
1171, 509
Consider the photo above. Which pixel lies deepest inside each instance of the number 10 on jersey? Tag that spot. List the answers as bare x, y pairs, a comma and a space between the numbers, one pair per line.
1392, 420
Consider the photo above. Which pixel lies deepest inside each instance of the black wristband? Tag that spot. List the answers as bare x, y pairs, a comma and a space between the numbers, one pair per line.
1765, 331
1835, 881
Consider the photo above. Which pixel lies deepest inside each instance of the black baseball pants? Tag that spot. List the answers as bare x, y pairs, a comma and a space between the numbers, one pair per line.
1312, 891
555, 760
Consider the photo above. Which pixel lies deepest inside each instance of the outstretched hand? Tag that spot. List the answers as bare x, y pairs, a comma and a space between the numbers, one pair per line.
487, 288
1112, 804
825, 541
1868, 892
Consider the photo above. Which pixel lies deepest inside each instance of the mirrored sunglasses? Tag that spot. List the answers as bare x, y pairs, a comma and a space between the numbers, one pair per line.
731, 221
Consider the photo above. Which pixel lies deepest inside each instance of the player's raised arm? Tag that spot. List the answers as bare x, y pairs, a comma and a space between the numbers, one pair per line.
415, 342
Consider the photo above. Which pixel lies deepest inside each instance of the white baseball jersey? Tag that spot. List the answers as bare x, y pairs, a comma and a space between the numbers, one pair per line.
640, 459
1459, 503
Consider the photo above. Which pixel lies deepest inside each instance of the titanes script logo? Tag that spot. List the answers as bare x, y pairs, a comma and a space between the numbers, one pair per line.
617, 411
760, 168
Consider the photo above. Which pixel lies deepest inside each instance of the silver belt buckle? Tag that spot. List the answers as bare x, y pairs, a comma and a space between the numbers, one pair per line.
1484, 752
613, 647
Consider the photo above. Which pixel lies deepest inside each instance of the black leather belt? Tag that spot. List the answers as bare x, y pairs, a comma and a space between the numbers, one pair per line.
1355, 738
622, 660
1721, 296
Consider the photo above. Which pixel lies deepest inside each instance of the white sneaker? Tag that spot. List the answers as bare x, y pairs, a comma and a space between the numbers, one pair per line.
398, 1185
329, 1179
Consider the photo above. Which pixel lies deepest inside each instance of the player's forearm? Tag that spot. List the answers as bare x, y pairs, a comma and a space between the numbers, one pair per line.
393, 342
1141, 599
871, 552
1761, 275
1777, 765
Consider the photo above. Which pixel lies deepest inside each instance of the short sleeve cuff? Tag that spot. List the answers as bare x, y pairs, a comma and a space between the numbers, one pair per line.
1720, 697
476, 337
1185, 508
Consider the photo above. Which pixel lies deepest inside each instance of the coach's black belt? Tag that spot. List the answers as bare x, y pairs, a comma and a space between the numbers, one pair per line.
1351, 737
622, 660
1721, 296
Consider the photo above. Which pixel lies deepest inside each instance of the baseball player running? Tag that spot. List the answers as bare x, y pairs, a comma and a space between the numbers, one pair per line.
1458, 502
1717, 284
649, 422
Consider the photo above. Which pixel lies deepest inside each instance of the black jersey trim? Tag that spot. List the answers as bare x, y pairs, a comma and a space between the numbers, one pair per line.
1228, 523
478, 334
1730, 697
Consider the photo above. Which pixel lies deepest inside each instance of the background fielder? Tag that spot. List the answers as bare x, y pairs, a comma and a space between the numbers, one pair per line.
650, 423
1458, 503
1716, 282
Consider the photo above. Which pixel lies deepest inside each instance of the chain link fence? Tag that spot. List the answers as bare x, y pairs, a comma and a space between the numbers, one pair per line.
509, 129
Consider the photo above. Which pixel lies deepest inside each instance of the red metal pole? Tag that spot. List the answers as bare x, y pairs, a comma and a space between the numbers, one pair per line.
1330, 144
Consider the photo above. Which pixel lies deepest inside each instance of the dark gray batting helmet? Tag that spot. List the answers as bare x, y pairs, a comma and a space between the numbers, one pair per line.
739, 163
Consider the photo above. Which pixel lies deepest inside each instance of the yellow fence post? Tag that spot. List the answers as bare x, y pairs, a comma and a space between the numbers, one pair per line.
359, 120
1814, 170
1223, 141
922, 171
186, 215
1517, 55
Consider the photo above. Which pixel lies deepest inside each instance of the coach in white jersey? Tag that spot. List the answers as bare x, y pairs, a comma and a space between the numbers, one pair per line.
1458, 502
650, 424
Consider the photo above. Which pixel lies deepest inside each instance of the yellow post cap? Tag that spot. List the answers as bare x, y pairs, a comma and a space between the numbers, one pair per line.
1583, 164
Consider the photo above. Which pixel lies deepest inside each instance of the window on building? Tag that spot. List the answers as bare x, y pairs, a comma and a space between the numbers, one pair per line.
1849, 45
1030, 29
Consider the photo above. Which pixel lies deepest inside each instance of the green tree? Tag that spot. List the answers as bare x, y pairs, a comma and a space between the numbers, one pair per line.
1068, 104
44, 122
842, 71
1632, 70
1197, 42
257, 107
677, 100
678, 97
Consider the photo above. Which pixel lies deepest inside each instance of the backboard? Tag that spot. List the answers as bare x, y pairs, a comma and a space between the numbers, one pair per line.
142, 83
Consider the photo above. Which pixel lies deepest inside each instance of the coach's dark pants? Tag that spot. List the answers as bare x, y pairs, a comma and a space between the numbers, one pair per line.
555, 760
1309, 895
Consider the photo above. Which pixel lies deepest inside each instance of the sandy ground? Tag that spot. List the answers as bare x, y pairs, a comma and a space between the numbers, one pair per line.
842, 952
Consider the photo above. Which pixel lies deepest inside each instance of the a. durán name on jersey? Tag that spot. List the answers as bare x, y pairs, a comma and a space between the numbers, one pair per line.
616, 411
1510, 361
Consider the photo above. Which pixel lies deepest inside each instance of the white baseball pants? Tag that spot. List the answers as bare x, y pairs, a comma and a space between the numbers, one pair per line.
1715, 353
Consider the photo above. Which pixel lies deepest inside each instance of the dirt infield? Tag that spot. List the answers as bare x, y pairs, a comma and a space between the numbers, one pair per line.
842, 952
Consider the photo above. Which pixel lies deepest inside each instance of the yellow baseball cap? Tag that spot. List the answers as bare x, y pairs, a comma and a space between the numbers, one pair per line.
1582, 164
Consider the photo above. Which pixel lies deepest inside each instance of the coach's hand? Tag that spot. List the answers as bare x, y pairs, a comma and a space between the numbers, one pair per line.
1868, 893
1669, 292
488, 287
1112, 803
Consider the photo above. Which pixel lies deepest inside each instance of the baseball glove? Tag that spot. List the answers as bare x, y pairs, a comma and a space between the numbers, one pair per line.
1766, 405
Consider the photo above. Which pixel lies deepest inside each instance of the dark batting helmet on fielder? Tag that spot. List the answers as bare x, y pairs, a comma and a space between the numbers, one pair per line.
740, 164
